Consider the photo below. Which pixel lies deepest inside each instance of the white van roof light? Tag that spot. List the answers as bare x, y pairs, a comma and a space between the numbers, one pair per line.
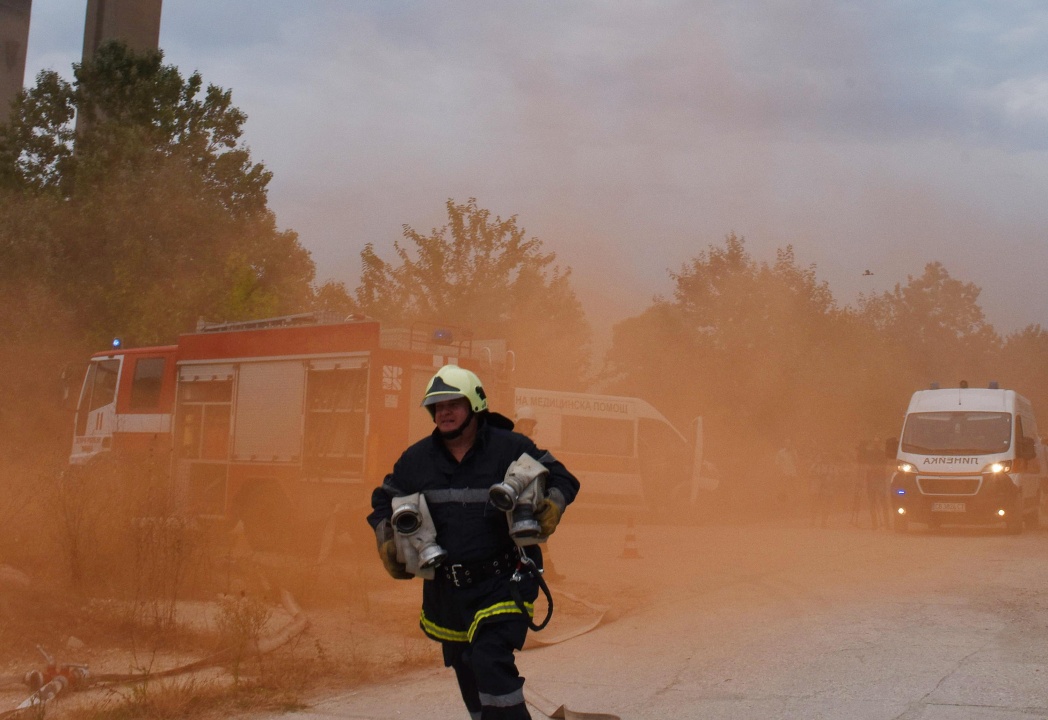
994, 385
934, 386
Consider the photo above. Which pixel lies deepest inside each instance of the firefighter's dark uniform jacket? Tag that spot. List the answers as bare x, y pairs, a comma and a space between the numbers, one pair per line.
474, 534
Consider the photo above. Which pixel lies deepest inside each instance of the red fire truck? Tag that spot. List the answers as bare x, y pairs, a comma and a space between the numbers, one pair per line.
276, 420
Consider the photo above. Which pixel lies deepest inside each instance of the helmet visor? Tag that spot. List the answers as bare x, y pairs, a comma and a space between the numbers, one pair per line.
435, 397
440, 390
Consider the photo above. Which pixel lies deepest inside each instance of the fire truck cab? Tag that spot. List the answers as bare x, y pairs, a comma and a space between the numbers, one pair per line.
275, 420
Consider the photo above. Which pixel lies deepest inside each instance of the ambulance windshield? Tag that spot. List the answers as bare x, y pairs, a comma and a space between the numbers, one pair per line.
957, 433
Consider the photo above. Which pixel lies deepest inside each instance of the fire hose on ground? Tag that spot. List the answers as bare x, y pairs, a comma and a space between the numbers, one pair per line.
55, 679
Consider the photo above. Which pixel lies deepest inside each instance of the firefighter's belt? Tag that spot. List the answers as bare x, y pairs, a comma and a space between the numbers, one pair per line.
465, 574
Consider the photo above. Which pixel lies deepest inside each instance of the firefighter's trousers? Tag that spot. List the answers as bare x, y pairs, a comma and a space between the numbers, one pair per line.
486, 671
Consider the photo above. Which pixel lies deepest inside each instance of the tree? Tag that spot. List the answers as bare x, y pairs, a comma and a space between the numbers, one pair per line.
148, 213
754, 348
482, 273
1023, 366
936, 322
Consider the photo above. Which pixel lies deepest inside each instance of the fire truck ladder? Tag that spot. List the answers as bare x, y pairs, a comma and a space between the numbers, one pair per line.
309, 318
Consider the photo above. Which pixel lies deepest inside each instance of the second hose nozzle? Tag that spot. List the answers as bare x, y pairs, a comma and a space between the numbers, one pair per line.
504, 495
519, 495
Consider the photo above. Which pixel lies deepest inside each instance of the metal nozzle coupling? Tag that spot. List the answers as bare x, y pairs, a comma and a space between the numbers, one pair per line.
431, 555
519, 496
523, 523
407, 519
504, 495
411, 520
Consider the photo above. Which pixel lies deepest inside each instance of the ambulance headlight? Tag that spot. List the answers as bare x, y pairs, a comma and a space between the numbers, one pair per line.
996, 468
907, 467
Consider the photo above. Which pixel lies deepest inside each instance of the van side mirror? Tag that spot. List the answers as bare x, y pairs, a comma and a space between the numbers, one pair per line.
891, 448
1027, 448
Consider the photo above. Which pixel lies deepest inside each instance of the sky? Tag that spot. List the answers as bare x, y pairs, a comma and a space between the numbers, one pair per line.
630, 137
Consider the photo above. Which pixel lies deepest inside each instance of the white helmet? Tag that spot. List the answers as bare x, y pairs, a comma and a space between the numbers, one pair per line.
453, 382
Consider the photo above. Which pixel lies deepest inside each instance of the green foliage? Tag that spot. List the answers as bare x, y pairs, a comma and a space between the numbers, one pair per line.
742, 343
36, 144
332, 298
765, 355
481, 272
937, 320
1024, 367
159, 217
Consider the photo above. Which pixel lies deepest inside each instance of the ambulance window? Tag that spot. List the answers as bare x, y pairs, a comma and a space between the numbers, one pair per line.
957, 433
336, 401
597, 436
663, 455
145, 387
103, 389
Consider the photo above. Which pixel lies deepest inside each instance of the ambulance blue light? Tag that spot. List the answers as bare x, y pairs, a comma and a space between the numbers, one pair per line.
443, 336
900, 491
117, 342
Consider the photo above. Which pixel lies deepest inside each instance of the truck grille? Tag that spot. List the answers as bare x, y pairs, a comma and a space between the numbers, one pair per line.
949, 485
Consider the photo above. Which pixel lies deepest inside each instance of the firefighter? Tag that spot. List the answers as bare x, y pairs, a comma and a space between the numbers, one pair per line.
469, 606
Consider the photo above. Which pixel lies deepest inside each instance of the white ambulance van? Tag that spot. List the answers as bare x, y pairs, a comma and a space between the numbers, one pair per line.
626, 454
968, 455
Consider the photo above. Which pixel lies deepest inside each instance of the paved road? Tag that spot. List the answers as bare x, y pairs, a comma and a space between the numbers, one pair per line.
780, 621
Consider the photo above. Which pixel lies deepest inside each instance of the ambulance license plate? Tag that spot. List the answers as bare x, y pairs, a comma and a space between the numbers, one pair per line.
947, 507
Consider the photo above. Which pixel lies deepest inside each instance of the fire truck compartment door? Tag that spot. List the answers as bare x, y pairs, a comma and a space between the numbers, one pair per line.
344, 363
205, 373
268, 422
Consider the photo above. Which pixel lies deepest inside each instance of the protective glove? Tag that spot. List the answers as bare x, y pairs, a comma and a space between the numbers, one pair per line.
387, 552
549, 512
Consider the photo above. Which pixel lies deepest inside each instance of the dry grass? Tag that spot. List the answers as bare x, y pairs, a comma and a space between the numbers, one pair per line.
191, 697
119, 585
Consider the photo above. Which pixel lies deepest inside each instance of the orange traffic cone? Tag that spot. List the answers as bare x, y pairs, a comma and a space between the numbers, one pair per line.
629, 550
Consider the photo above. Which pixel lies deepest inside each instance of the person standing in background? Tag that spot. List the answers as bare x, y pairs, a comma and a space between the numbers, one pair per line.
876, 485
